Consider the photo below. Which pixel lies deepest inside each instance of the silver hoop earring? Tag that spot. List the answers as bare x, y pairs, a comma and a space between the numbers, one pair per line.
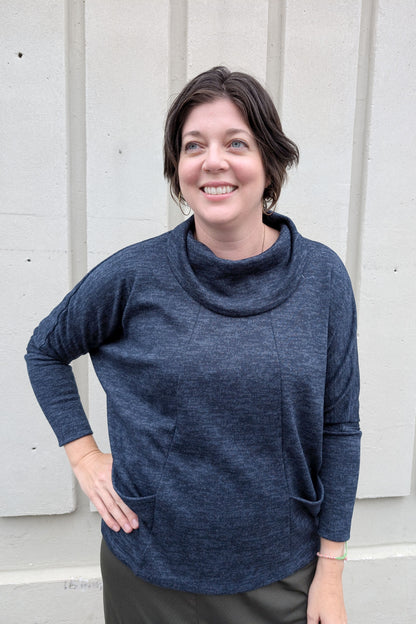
267, 210
185, 214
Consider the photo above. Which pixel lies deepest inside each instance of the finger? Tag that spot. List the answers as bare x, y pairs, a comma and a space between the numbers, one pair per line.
129, 515
132, 518
120, 512
105, 513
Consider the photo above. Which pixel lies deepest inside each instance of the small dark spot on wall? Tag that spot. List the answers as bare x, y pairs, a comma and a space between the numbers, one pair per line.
395, 270
20, 54
34, 448
120, 151
28, 260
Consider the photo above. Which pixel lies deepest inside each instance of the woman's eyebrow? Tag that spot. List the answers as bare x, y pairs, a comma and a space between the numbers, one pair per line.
193, 133
196, 133
238, 131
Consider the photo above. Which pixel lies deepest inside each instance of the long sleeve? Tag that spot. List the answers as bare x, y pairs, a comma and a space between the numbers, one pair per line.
341, 443
87, 317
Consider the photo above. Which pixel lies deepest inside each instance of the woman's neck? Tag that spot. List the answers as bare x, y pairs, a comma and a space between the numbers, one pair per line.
237, 244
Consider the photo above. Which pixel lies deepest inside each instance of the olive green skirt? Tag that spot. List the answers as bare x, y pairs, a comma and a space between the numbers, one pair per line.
130, 600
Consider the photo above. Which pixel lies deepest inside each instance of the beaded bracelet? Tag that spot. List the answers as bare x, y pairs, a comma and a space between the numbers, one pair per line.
341, 558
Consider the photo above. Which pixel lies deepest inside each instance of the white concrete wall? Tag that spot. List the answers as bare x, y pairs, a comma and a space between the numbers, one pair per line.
84, 91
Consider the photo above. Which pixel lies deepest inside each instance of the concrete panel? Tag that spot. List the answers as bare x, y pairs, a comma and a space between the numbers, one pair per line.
384, 520
231, 33
127, 93
318, 107
35, 477
34, 473
32, 161
388, 286
31, 543
61, 596
379, 586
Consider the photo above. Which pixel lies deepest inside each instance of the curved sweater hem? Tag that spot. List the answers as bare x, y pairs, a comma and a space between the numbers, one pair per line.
232, 587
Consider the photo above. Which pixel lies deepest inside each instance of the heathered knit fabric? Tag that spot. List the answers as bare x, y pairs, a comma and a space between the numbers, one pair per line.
232, 393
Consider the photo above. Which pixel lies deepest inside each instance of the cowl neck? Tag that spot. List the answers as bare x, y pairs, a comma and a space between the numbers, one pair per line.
238, 287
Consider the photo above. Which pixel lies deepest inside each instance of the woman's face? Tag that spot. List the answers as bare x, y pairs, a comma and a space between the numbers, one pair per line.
221, 173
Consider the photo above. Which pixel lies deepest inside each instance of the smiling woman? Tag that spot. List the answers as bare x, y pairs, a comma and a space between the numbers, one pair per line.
227, 350
223, 133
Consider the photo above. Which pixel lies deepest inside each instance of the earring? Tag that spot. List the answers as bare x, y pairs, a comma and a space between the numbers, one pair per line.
185, 214
266, 209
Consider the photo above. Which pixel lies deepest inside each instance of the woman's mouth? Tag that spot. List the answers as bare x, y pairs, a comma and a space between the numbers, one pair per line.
218, 190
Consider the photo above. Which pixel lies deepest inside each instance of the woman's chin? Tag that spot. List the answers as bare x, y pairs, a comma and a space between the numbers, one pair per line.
216, 217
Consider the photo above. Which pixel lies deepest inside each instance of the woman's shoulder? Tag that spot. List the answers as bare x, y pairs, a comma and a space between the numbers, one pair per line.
325, 267
133, 258
323, 256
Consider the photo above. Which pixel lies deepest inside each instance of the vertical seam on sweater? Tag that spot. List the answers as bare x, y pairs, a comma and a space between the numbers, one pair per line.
281, 418
162, 472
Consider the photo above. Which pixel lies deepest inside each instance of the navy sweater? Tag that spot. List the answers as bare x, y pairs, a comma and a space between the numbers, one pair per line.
232, 394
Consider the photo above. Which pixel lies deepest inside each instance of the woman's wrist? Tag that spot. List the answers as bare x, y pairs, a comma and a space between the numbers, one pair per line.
330, 567
328, 548
331, 558
337, 551
78, 449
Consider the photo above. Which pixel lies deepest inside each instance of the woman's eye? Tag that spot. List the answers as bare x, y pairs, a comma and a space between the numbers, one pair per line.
237, 144
191, 146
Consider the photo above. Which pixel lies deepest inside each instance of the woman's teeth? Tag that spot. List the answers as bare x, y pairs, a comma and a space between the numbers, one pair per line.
218, 190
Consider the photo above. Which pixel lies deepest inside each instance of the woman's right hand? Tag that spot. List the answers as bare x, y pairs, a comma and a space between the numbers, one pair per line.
93, 468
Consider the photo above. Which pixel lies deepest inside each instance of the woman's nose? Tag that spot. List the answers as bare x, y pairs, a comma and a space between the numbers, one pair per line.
214, 160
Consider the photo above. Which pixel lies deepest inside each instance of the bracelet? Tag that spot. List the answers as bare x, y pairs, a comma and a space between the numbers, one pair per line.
341, 558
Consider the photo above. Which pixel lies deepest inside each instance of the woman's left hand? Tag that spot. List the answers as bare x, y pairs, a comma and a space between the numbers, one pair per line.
326, 598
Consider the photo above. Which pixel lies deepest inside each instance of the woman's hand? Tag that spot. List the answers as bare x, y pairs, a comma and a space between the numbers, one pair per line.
326, 598
92, 468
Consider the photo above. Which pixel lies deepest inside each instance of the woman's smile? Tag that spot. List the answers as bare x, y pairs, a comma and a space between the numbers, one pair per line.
218, 190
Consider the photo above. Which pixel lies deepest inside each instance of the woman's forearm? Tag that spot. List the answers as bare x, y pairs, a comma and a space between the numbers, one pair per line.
326, 600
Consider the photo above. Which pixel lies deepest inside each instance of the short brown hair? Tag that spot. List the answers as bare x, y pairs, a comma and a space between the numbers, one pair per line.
278, 153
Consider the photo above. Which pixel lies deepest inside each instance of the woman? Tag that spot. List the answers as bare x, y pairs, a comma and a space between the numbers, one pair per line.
227, 349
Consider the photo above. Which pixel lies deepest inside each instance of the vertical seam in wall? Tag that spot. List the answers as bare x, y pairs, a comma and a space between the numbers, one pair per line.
76, 137
276, 27
178, 45
76, 158
360, 151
